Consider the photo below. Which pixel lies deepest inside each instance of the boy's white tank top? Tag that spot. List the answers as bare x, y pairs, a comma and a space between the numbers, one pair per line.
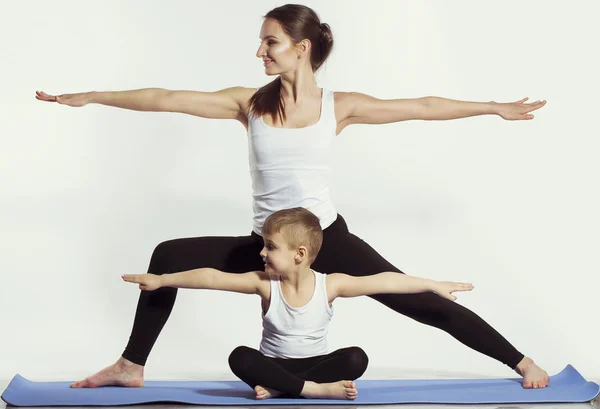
296, 332
292, 167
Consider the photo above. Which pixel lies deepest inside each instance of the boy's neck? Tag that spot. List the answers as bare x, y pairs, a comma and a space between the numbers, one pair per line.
299, 278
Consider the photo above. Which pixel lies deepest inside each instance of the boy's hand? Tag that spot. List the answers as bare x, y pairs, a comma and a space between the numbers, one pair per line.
147, 282
446, 288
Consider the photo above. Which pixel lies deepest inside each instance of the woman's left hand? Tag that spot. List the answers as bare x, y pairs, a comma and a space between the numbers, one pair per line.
518, 110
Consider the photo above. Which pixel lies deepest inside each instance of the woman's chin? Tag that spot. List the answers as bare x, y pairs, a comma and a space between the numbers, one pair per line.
271, 71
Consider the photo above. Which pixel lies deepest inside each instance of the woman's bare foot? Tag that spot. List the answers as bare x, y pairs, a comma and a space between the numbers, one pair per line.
533, 376
266, 393
333, 390
121, 373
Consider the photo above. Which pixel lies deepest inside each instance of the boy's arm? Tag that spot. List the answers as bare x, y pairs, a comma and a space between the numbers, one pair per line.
389, 282
212, 279
252, 282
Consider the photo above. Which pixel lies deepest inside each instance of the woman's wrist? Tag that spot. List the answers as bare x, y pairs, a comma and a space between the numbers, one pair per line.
492, 108
91, 97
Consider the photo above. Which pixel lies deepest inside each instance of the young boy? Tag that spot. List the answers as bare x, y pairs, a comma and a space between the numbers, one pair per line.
293, 359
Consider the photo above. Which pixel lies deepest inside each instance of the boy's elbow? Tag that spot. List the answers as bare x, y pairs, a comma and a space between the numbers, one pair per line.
214, 278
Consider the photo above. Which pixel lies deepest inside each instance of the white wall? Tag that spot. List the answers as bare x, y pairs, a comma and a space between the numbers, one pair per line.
87, 193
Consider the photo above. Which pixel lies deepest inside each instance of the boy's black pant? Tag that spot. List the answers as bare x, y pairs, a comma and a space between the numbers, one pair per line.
288, 375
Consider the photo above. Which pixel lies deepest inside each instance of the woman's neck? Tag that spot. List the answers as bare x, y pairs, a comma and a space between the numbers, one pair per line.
299, 85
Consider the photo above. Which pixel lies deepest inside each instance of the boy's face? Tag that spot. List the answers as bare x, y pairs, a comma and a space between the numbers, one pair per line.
278, 258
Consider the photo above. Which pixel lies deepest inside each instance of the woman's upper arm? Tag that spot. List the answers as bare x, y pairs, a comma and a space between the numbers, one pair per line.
359, 108
228, 103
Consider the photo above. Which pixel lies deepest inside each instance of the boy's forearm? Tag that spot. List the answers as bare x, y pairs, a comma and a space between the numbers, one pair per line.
405, 284
443, 108
147, 99
198, 278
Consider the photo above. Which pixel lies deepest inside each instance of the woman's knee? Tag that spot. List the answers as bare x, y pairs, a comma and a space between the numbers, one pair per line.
427, 308
241, 359
164, 257
358, 361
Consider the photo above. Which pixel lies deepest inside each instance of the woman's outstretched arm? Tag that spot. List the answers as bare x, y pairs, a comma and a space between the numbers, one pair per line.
228, 103
365, 109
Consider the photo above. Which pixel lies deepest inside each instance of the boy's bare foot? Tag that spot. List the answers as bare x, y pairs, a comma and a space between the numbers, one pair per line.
121, 373
533, 376
333, 390
266, 393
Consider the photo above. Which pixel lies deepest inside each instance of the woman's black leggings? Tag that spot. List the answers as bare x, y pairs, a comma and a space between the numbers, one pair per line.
288, 375
341, 251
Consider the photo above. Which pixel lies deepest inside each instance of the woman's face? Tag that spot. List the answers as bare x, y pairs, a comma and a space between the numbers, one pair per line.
277, 50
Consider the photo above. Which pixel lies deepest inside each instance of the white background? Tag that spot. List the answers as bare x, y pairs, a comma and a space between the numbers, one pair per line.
87, 193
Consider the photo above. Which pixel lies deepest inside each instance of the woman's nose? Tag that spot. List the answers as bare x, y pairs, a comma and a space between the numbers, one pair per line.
260, 52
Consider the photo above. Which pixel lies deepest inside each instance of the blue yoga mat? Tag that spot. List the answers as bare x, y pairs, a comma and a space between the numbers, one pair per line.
565, 387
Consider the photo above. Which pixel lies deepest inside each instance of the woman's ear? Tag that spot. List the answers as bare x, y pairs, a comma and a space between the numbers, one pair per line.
303, 48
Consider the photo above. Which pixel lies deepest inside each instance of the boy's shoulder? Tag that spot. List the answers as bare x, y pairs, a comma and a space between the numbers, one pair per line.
264, 284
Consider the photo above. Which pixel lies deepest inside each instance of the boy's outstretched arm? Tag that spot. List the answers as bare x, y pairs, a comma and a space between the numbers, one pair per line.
201, 278
389, 282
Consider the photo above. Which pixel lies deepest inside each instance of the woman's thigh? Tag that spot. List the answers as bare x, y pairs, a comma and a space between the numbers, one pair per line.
344, 252
235, 254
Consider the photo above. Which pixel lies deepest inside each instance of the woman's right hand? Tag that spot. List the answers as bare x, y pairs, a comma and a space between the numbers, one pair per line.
72, 100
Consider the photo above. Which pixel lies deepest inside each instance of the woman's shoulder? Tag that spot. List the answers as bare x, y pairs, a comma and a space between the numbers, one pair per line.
343, 102
344, 97
243, 94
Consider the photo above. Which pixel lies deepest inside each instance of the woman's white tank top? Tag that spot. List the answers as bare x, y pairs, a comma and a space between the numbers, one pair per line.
292, 167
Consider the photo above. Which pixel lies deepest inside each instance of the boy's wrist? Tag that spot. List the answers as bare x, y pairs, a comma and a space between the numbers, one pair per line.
432, 285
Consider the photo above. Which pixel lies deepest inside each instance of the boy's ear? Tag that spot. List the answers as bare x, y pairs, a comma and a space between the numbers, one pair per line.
300, 254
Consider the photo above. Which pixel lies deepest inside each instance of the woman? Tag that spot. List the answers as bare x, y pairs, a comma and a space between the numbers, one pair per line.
291, 124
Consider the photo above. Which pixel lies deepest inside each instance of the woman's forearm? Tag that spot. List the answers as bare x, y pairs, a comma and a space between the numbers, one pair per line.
146, 99
438, 108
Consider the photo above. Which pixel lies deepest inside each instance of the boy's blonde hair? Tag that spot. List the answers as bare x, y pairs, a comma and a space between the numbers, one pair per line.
299, 227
